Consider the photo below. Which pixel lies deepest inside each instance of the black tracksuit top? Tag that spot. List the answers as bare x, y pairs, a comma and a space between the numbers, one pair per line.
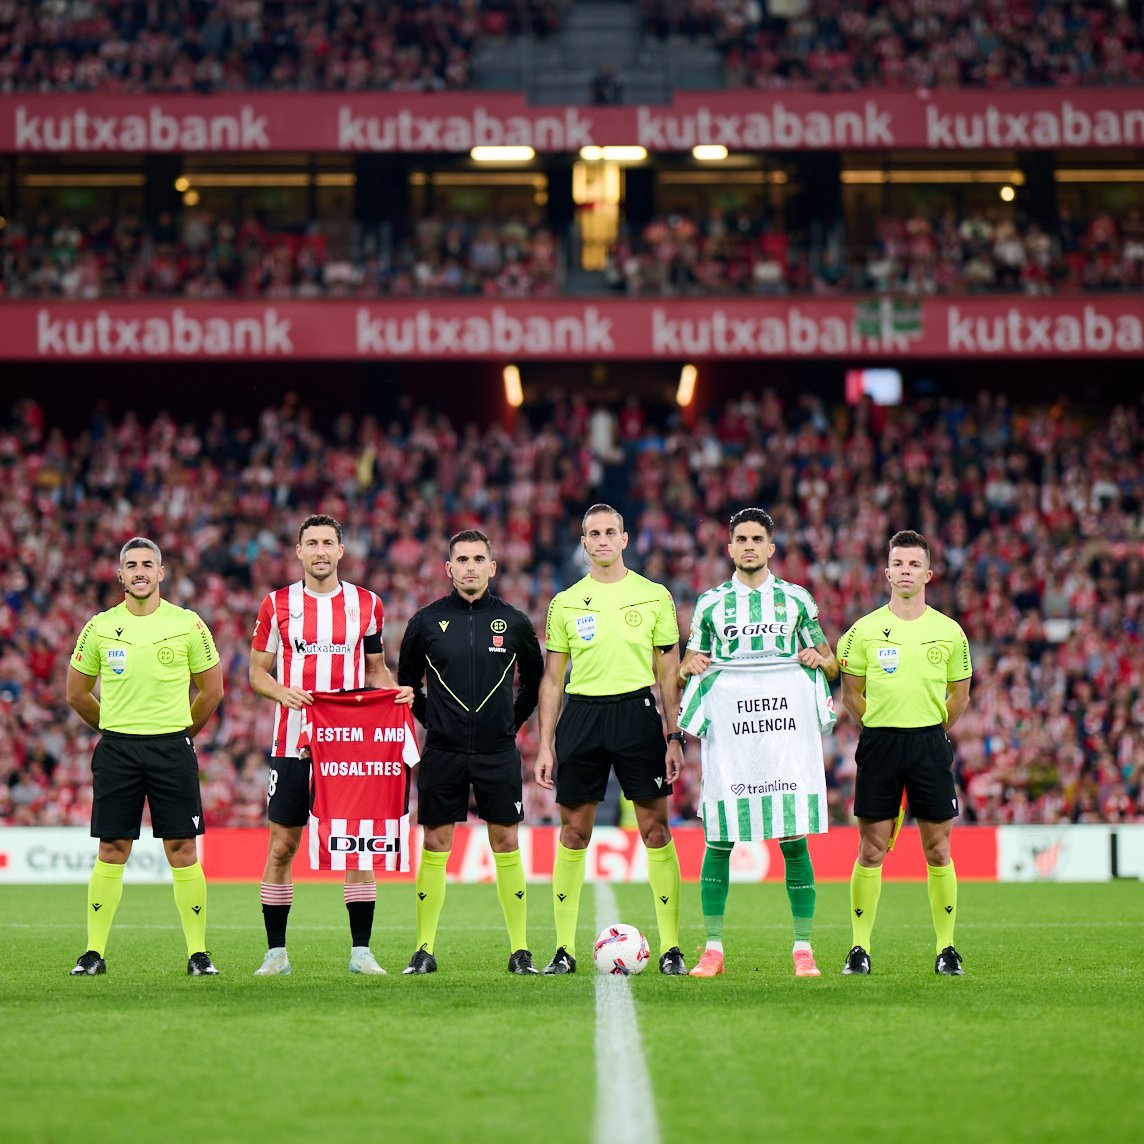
461, 658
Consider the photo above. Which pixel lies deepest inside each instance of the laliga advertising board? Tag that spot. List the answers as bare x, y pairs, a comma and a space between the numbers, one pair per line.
1097, 853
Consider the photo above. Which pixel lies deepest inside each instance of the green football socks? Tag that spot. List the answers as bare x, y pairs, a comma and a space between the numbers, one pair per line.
663, 874
513, 895
799, 886
865, 890
430, 886
714, 880
104, 890
941, 884
567, 882
190, 886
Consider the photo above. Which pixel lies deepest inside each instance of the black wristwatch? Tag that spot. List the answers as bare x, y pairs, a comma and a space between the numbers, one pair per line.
675, 737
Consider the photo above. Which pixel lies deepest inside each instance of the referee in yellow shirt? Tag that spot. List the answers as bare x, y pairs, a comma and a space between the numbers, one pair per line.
619, 631
145, 653
905, 680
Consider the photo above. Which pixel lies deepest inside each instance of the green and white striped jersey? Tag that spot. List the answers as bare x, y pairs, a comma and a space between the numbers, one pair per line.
732, 622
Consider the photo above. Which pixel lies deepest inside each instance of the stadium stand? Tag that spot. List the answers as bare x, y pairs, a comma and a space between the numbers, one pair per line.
830, 45
1035, 514
250, 45
206, 257
202, 256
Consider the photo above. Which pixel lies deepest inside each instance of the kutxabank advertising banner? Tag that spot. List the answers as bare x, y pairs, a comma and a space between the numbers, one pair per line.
851, 328
455, 122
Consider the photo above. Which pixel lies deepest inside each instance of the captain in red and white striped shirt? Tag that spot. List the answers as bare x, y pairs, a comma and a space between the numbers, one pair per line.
319, 634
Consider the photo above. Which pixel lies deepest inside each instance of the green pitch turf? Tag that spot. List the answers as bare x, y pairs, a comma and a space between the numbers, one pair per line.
1039, 1041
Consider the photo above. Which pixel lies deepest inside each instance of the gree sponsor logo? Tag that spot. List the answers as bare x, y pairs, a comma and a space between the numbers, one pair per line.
749, 631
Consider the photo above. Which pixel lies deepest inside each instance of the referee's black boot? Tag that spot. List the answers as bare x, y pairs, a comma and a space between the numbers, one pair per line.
421, 962
671, 963
199, 965
857, 962
88, 965
562, 962
521, 963
949, 963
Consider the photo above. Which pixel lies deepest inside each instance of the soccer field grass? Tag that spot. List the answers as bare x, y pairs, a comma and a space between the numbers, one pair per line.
1039, 1041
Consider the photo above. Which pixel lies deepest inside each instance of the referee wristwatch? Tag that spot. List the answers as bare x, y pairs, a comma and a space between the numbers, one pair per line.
675, 737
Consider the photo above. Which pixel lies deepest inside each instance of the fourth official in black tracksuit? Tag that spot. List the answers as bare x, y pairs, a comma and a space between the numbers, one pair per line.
461, 658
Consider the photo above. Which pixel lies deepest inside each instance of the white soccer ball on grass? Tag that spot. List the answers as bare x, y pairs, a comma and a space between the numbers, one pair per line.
621, 949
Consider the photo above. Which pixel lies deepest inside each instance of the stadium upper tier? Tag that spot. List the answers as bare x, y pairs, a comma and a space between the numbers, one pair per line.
246, 45
847, 45
417, 46
1035, 515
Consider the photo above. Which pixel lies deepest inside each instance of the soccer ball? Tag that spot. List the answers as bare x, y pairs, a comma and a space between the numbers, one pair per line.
621, 949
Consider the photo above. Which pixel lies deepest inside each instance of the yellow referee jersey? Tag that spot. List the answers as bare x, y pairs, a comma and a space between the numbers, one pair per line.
609, 630
907, 665
144, 664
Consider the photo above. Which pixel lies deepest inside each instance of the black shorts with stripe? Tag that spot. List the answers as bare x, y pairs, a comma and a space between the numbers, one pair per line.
162, 770
288, 791
444, 779
918, 760
599, 733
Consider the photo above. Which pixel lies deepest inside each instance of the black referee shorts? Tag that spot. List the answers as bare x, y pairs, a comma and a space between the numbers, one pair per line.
163, 769
597, 733
444, 778
916, 759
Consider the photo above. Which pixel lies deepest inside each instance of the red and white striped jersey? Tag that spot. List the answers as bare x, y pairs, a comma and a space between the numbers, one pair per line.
362, 746
318, 642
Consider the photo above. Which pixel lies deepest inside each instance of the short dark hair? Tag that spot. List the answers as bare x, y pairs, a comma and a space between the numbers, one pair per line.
470, 536
141, 542
907, 538
598, 508
319, 520
752, 516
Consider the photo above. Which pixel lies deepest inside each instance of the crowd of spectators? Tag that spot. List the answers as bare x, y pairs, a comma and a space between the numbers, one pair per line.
917, 254
518, 256
846, 45
429, 45
204, 46
204, 257
1036, 516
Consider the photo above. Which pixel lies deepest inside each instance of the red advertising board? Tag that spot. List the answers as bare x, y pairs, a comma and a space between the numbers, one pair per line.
618, 856
853, 329
402, 123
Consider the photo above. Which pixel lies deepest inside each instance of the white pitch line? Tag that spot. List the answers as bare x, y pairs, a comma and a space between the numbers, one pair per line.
623, 1086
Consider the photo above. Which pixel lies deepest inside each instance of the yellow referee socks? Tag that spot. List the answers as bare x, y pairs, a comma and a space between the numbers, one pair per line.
104, 890
567, 882
430, 895
865, 890
191, 899
941, 884
513, 896
663, 874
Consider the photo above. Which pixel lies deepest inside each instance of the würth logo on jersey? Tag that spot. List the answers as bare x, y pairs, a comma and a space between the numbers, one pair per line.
304, 648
